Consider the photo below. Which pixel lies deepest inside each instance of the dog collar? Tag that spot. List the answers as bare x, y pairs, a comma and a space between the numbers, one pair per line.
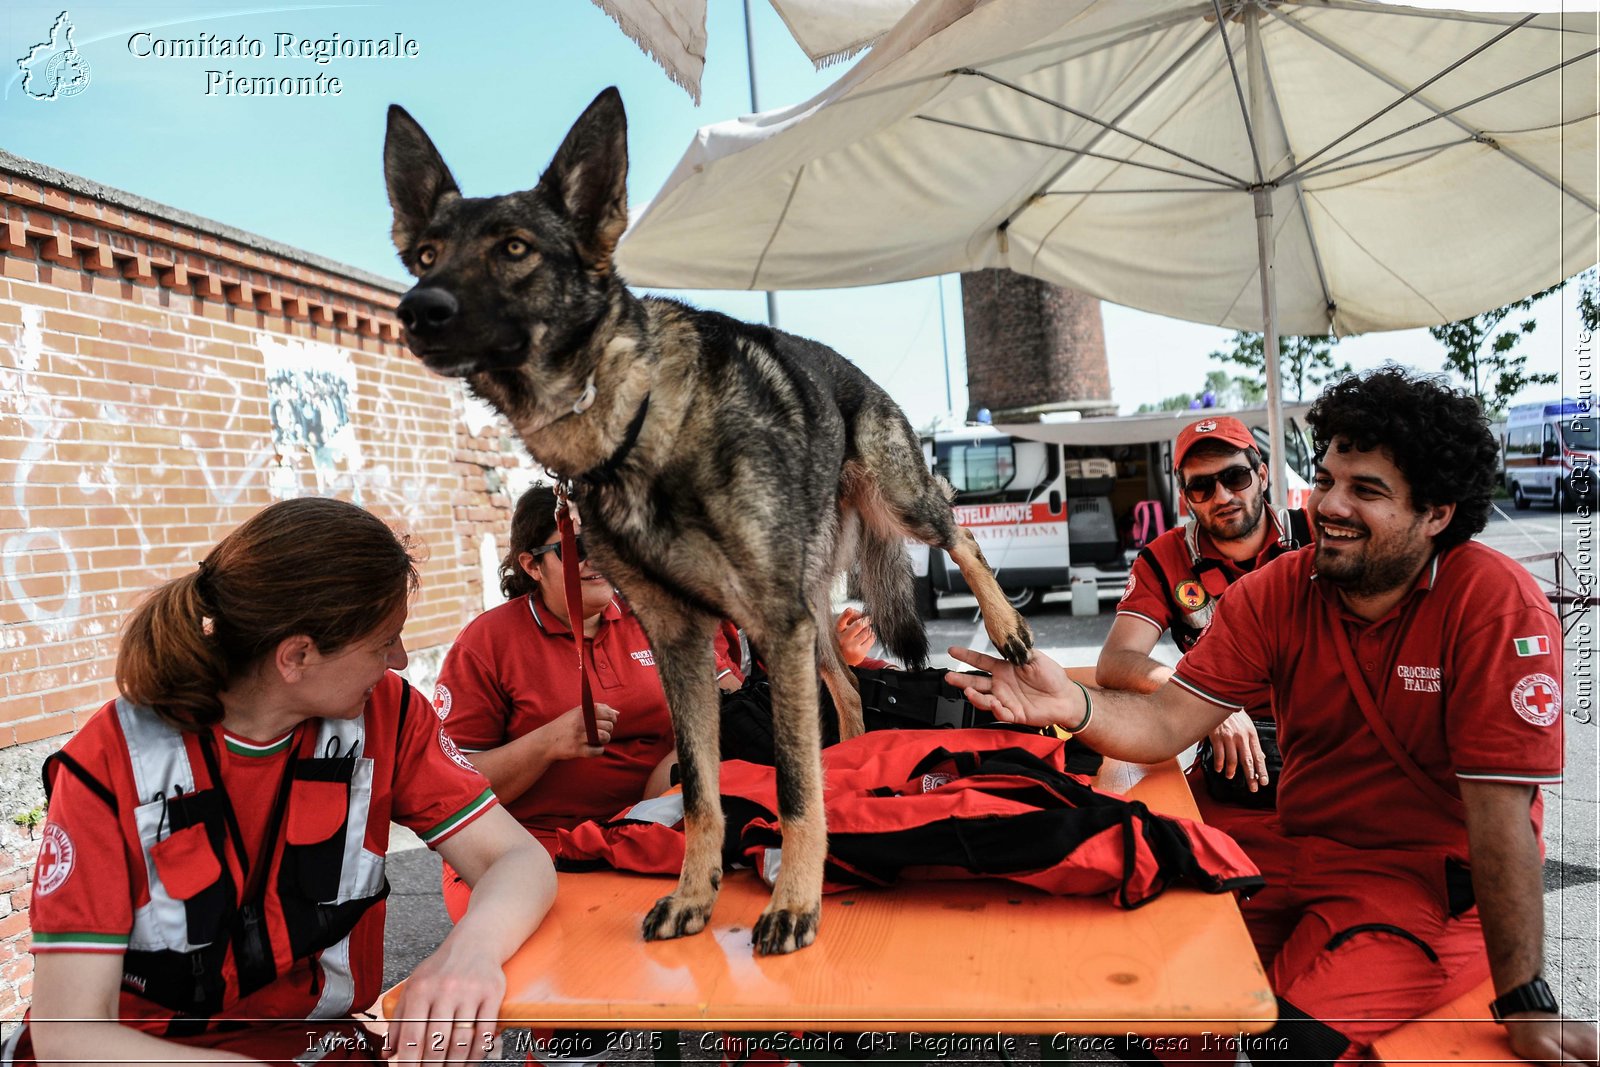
606, 470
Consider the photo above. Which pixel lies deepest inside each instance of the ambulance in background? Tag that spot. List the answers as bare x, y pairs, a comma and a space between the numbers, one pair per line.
1057, 503
1549, 452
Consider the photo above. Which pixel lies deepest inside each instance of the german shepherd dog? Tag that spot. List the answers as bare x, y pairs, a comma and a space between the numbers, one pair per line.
721, 470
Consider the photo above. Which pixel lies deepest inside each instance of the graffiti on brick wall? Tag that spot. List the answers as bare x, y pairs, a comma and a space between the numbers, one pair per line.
40, 423
330, 433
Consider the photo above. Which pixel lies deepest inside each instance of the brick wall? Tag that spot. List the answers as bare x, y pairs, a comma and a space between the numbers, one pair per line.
162, 378
1032, 347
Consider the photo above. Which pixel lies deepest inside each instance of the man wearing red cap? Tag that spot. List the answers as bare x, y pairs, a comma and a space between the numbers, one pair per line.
1416, 675
1175, 583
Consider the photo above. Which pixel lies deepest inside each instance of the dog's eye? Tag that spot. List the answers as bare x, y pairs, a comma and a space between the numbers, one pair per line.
427, 257
515, 248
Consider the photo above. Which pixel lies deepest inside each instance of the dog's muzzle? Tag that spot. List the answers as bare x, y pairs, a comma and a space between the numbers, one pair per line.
427, 311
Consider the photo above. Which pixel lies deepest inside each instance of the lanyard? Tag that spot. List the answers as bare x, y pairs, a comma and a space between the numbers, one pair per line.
1391, 744
254, 871
569, 570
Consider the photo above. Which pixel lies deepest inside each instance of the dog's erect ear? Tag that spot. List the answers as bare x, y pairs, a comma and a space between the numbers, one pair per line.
415, 174
589, 178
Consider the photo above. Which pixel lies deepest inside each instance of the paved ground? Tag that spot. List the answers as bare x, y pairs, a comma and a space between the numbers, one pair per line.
417, 921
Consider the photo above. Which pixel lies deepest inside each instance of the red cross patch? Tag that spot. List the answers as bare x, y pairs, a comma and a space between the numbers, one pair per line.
57, 857
1537, 699
454, 753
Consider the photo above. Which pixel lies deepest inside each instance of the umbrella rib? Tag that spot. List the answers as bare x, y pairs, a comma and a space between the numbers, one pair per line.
1138, 100
773, 236
1230, 187
1432, 14
1098, 42
1426, 150
1407, 94
1238, 89
1475, 134
1118, 192
1378, 261
1085, 116
1280, 221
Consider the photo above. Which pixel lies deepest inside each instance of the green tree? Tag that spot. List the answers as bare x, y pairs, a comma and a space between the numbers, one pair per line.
1171, 403
1589, 299
1230, 392
1302, 361
1485, 357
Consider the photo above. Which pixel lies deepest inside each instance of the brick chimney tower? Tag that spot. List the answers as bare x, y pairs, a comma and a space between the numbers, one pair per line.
1033, 348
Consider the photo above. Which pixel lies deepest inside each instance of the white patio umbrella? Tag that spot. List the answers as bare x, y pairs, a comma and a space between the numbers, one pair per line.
673, 32
1328, 166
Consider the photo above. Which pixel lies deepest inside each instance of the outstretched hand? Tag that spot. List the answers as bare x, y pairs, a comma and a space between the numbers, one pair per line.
1036, 694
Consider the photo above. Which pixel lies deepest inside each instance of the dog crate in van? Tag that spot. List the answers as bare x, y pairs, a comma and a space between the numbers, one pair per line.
1094, 529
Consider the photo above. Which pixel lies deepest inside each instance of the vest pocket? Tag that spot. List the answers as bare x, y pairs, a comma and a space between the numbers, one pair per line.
315, 830
185, 862
190, 891
325, 882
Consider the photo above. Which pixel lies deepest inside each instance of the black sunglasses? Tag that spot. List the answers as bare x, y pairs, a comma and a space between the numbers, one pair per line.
1202, 487
555, 546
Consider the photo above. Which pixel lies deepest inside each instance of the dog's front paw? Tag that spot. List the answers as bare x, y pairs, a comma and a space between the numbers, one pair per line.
671, 918
779, 931
1017, 646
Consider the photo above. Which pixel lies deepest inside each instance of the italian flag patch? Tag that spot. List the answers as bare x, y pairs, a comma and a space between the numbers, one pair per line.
1532, 646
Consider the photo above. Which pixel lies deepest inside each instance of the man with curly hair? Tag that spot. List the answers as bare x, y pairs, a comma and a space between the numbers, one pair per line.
1417, 680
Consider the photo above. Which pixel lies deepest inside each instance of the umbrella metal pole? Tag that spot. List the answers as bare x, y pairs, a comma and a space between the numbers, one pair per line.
1269, 306
1266, 162
755, 109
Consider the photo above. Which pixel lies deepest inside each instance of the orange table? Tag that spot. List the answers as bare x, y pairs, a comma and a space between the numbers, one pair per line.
960, 957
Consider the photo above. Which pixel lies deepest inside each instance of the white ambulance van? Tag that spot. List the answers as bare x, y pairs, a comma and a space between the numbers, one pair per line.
1549, 452
1056, 503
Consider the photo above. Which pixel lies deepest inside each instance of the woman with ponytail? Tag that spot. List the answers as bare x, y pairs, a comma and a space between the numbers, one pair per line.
213, 855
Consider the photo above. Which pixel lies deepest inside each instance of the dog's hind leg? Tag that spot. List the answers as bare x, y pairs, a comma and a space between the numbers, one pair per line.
898, 496
682, 645
790, 919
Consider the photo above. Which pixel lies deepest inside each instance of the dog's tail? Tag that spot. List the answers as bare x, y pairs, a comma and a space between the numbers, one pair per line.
886, 586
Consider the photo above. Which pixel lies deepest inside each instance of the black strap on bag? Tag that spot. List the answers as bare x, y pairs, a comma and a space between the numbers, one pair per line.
890, 700
76, 769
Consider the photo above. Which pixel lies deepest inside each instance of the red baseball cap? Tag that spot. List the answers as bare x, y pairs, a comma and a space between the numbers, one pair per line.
1222, 428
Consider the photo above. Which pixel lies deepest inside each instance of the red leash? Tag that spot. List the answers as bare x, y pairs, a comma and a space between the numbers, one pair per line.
569, 570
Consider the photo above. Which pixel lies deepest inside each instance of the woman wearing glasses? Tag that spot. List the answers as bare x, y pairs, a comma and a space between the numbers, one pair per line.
508, 691
1178, 577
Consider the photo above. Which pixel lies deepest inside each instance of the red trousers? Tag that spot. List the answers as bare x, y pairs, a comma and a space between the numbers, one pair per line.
1357, 940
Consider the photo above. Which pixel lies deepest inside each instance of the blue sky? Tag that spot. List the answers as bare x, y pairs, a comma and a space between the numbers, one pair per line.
497, 84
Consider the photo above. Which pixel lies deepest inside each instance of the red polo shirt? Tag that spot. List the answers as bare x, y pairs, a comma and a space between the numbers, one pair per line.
513, 669
1466, 672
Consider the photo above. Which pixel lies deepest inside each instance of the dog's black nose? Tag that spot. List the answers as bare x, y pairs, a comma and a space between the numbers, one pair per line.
425, 310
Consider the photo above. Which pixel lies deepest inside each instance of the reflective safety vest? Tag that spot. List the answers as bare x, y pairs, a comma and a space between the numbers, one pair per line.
941, 804
199, 945
1192, 581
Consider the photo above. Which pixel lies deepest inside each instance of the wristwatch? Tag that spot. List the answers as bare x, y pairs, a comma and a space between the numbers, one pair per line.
1529, 996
